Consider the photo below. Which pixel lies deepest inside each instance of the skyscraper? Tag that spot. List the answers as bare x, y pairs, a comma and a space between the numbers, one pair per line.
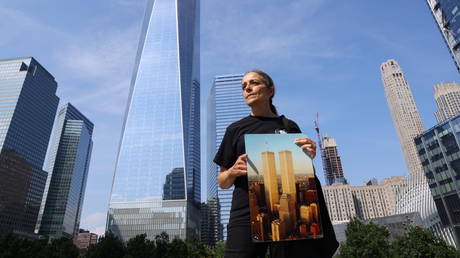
174, 187
287, 174
270, 180
161, 130
211, 228
28, 104
68, 166
333, 169
445, 13
404, 112
225, 106
415, 197
447, 96
439, 152
364, 202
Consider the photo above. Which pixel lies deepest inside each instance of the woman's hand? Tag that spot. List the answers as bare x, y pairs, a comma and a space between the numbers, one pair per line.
307, 145
227, 177
240, 167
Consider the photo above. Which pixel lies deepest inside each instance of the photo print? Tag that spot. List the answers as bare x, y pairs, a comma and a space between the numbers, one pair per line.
282, 192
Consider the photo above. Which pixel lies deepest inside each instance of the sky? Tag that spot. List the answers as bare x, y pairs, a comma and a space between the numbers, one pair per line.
256, 144
323, 55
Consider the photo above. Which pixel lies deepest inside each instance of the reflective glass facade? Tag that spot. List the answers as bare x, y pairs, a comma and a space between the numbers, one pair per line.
28, 104
68, 166
439, 152
225, 106
161, 132
447, 15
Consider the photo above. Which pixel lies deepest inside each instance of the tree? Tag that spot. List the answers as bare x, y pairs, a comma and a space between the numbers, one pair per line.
419, 242
162, 244
140, 247
219, 249
365, 240
195, 248
14, 246
109, 246
61, 248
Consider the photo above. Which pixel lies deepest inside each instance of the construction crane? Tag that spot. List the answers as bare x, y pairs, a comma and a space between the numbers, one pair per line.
321, 148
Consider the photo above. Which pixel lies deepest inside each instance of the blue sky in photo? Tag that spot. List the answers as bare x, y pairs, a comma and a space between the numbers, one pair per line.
257, 143
323, 55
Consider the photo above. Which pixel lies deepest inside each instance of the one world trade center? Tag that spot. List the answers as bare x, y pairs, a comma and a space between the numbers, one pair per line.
156, 185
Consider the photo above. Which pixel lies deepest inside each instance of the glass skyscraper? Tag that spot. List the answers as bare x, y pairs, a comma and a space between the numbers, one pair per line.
439, 152
68, 165
446, 14
28, 104
225, 106
161, 131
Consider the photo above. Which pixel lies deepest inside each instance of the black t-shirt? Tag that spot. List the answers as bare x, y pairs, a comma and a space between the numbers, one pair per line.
232, 146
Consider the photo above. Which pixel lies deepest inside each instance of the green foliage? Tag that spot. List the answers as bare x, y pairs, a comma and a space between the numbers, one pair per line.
140, 247
219, 249
419, 242
14, 246
370, 240
365, 240
108, 246
61, 248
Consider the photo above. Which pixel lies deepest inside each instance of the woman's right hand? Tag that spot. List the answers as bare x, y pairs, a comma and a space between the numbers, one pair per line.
226, 177
240, 167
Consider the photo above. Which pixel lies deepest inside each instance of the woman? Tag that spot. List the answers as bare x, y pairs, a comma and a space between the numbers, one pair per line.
258, 91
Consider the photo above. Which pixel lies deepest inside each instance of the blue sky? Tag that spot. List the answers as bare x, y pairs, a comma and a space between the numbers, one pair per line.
324, 56
256, 144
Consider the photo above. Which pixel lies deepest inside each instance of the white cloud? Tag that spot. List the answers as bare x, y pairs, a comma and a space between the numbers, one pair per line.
94, 222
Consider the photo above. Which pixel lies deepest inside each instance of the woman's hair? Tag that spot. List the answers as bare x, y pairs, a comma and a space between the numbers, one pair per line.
267, 80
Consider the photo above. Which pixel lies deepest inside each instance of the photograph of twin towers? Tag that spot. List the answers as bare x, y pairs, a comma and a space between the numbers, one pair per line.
282, 191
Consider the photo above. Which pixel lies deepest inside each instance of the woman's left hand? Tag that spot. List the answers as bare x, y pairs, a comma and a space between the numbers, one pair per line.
308, 145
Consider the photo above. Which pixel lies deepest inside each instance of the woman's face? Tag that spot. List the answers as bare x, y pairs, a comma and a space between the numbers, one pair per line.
254, 89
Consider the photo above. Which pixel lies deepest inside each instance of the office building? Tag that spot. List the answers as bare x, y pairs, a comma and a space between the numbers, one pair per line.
415, 197
445, 13
174, 186
287, 174
404, 112
447, 97
332, 164
270, 180
439, 152
28, 104
161, 129
68, 165
225, 106
211, 228
84, 239
364, 202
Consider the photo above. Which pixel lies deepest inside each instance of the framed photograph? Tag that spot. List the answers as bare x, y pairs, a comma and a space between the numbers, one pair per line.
282, 191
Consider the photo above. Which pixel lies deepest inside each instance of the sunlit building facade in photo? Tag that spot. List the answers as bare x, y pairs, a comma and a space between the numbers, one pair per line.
68, 166
161, 131
225, 106
28, 104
